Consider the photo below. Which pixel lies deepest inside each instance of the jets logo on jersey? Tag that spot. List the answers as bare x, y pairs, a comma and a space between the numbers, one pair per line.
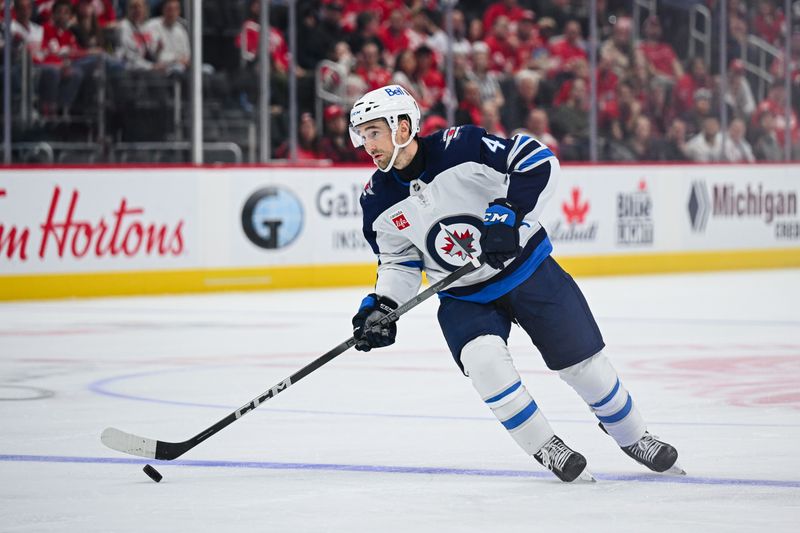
399, 220
450, 134
453, 241
460, 245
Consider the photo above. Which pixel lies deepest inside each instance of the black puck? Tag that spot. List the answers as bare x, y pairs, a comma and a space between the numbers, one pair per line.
152, 473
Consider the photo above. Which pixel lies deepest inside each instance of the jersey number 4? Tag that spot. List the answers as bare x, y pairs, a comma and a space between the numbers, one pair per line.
493, 144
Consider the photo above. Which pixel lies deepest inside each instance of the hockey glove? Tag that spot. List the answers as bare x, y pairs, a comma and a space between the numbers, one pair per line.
372, 309
500, 235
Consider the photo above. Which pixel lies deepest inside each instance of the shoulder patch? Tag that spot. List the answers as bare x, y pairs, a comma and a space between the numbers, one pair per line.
399, 219
450, 134
368, 188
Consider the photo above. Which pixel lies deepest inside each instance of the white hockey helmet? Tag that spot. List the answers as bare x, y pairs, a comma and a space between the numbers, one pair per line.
389, 103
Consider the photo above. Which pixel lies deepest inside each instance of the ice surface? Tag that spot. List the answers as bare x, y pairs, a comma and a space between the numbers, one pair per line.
394, 440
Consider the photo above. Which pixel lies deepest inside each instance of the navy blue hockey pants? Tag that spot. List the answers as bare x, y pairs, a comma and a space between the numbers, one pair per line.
549, 306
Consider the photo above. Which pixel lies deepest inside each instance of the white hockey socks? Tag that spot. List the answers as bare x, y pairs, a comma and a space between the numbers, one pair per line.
488, 363
596, 381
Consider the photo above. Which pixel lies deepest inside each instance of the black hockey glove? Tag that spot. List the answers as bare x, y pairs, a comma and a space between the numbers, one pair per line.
500, 235
372, 309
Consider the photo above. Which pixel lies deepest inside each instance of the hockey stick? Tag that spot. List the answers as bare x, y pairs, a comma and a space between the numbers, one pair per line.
167, 451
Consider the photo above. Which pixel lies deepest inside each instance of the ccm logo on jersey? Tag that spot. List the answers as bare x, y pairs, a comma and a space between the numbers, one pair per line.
450, 134
400, 221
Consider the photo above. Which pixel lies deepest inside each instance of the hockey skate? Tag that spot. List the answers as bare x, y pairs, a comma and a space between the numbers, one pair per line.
655, 454
567, 464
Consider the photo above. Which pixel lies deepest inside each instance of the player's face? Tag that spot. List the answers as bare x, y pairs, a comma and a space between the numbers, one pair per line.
377, 138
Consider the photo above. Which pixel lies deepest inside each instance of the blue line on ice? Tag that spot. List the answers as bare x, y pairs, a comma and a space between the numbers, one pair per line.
101, 387
388, 469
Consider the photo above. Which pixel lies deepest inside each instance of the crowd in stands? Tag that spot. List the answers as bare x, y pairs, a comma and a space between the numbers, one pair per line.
519, 66
69, 42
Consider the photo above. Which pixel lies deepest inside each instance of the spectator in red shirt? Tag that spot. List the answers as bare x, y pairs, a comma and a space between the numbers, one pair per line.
247, 40
778, 69
432, 124
576, 69
696, 78
64, 65
775, 104
104, 9
370, 69
58, 43
308, 146
44, 11
768, 22
469, 108
431, 79
658, 55
336, 144
529, 42
607, 79
354, 8
502, 46
502, 8
565, 49
394, 32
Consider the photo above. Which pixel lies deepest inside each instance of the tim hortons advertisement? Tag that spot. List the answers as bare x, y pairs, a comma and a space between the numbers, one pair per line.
84, 223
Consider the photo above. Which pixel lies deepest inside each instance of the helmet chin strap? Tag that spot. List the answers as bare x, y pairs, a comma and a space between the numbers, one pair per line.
396, 151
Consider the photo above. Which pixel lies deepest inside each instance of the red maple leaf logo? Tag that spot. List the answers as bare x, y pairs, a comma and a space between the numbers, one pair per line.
465, 241
575, 212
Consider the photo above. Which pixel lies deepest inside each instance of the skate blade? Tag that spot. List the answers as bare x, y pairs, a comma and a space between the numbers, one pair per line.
585, 477
676, 470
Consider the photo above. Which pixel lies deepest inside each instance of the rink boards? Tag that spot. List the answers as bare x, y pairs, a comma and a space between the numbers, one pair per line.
148, 230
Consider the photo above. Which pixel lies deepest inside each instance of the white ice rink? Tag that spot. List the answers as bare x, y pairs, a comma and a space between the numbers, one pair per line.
394, 440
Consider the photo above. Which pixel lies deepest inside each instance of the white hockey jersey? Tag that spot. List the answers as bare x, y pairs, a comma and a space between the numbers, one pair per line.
432, 221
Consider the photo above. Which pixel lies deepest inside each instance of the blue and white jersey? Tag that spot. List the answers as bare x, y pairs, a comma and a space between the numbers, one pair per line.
434, 221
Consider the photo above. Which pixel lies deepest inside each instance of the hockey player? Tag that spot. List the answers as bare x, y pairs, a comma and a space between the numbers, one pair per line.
435, 203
